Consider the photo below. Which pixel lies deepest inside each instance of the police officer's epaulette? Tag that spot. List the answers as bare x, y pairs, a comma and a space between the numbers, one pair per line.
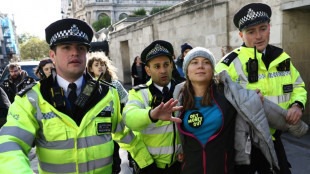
106, 83
138, 87
25, 90
229, 58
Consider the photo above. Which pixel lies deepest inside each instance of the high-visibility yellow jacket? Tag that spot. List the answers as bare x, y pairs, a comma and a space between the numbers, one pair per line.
61, 145
161, 138
281, 82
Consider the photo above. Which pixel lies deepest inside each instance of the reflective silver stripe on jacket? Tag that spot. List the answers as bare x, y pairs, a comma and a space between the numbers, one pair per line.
33, 98
128, 138
279, 99
120, 127
71, 167
62, 144
57, 168
145, 97
95, 164
19, 133
10, 146
145, 104
152, 129
298, 82
162, 150
111, 106
84, 142
93, 140
136, 102
241, 76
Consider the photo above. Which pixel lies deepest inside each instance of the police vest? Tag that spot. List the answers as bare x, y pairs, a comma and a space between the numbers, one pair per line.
161, 138
61, 145
280, 83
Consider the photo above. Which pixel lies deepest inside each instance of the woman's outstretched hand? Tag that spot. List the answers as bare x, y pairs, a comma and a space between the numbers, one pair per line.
164, 111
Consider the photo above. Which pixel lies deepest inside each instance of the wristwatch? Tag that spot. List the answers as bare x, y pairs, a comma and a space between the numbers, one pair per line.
298, 105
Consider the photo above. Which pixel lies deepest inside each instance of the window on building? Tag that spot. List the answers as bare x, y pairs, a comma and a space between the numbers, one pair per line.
99, 0
102, 15
122, 16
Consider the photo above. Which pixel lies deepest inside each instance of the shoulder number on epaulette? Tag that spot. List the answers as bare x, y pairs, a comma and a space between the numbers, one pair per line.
229, 58
138, 87
25, 90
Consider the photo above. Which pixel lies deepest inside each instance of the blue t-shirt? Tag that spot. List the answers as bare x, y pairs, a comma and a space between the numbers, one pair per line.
204, 122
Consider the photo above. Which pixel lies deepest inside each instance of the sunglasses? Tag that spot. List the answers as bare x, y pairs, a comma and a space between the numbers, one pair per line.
44, 62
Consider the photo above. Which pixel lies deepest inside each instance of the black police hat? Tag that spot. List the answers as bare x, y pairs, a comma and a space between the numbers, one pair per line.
67, 31
155, 49
252, 14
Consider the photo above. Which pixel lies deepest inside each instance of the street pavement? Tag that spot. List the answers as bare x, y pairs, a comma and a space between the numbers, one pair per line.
298, 152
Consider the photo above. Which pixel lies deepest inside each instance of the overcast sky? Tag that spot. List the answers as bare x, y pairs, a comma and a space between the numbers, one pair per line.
32, 16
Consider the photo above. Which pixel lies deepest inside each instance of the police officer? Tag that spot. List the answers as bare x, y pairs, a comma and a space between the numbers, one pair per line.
259, 65
71, 118
145, 110
16, 81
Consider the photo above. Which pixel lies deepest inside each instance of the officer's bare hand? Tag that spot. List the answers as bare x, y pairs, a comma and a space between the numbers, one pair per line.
164, 111
260, 95
293, 115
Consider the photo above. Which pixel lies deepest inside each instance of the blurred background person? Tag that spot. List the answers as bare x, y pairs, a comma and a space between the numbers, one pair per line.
44, 69
17, 80
185, 48
99, 63
138, 72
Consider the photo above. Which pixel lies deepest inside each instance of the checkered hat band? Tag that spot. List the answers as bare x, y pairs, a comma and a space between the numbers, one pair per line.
67, 33
158, 48
252, 15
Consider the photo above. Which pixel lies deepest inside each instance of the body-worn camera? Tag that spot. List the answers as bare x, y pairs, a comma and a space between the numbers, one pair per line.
85, 94
252, 68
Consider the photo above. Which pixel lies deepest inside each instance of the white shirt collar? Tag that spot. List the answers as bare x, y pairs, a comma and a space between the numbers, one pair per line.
64, 84
161, 88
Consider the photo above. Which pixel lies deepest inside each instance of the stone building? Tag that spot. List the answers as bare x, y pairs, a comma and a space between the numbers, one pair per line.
209, 23
92, 10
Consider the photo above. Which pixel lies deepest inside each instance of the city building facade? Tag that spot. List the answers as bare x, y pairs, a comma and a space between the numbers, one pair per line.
91, 10
8, 40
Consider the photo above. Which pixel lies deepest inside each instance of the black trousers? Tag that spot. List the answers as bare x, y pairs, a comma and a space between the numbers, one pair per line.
261, 165
153, 169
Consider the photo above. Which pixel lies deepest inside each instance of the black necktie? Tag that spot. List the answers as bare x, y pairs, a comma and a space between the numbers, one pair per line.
72, 93
166, 93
